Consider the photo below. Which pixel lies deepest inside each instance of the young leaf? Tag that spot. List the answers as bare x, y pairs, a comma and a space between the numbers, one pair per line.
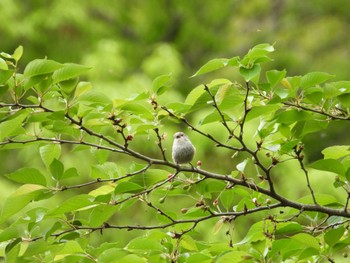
72, 204
329, 165
40, 67
28, 175
3, 64
69, 71
275, 76
19, 199
159, 83
49, 152
127, 187
336, 152
212, 65
56, 169
13, 125
314, 78
17, 54
82, 88
333, 235
307, 240
250, 73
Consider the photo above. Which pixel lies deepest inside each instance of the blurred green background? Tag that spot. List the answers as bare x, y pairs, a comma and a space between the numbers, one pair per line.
129, 43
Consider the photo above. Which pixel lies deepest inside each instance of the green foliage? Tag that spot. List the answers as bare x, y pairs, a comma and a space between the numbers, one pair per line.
104, 167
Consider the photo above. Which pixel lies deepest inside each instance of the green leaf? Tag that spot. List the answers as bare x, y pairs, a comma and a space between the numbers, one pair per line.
226, 199
40, 67
329, 165
255, 233
199, 258
159, 83
333, 235
314, 78
200, 98
336, 152
127, 187
72, 204
4, 76
307, 240
12, 251
28, 175
275, 76
68, 86
49, 152
344, 99
212, 65
69, 71
17, 54
188, 243
309, 126
19, 199
260, 111
70, 173
3, 64
82, 88
106, 170
288, 228
69, 248
132, 258
250, 73
213, 117
232, 257
101, 214
322, 199
144, 243
138, 109
13, 125
94, 97
291, 116
257, 54
9, 233
150, 177
56, 169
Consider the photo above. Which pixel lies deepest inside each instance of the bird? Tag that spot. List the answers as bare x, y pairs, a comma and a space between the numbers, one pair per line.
183, 150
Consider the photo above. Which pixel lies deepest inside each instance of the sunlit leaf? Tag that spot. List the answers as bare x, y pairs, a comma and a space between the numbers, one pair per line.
17, 54
28, 175
336, 152
40, 67
127, 187
275, 76
13, 125
19, 199
250, 73
333, 235
69, 71
56, 169
3, 64
159, 83
212, 65
329, 165
314, 78
307, 240
49, 152
82, 88
72, 204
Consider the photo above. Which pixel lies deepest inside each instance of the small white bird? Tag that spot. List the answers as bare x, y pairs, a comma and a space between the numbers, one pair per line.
183, 149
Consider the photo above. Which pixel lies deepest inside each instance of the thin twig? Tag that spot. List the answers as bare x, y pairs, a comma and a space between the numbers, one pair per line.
223, 120
159, 143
